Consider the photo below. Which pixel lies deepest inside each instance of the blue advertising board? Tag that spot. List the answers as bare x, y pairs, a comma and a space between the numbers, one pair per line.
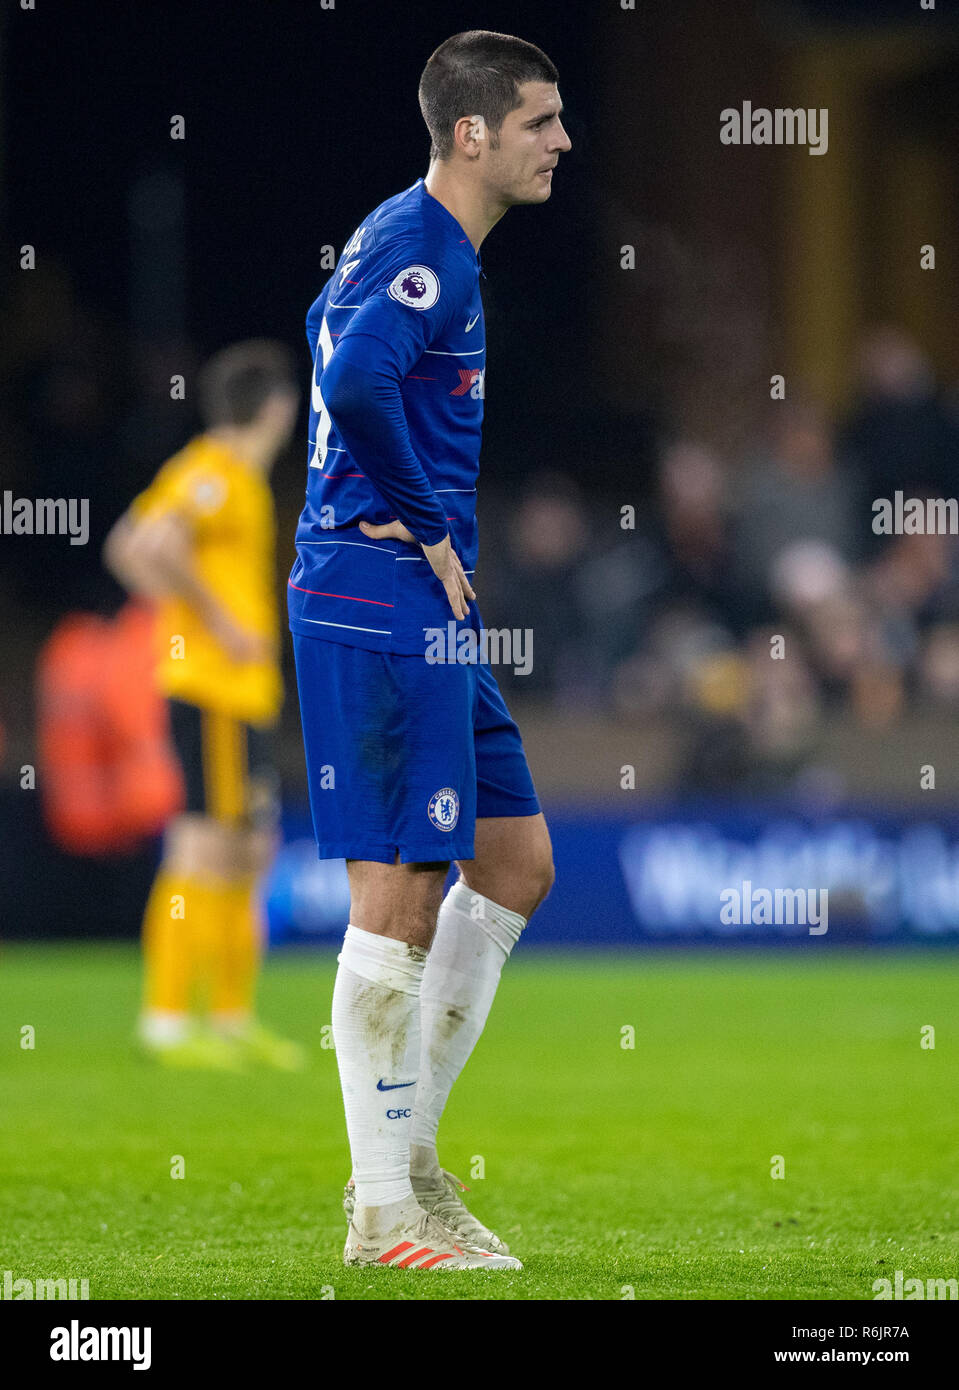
700, 872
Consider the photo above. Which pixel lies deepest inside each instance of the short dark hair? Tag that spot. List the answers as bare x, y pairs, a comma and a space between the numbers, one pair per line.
237, 381
477, 73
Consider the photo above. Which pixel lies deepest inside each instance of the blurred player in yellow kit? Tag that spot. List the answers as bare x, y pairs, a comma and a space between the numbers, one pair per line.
200, 543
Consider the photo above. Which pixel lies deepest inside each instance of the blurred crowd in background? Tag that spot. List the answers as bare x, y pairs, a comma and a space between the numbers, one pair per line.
678, 615
666, 610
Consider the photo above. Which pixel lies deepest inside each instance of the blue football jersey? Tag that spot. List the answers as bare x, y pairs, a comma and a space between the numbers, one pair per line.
401, 315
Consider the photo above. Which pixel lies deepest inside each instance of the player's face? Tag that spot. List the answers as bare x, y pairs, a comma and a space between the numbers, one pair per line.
531, 141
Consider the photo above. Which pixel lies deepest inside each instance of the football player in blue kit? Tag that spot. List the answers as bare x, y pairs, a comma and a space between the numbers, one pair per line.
414, 762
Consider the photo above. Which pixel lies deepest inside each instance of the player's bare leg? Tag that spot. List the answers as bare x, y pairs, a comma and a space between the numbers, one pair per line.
513, 865
479, 923
396, 900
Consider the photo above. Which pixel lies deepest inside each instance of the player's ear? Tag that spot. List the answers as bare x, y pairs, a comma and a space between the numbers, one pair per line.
470, 133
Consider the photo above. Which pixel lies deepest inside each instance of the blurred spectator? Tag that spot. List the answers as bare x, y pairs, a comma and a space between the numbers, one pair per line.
675, 563
900, 431
798, 491
546, 537
693, 491
939, 666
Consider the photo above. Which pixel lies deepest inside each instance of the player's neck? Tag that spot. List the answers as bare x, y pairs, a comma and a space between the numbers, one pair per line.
248, 446
465, 201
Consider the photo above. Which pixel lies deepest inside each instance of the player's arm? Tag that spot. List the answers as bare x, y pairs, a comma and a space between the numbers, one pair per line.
125, 559
361, 389
152, 555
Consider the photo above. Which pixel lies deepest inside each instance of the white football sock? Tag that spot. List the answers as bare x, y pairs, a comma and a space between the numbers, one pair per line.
474, 937
376, 1033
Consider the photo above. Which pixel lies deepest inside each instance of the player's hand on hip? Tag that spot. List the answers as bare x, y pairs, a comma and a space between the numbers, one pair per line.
390, 530
443, 559
448, 570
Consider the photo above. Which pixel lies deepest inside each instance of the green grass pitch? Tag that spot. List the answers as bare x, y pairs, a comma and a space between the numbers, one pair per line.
609, 1170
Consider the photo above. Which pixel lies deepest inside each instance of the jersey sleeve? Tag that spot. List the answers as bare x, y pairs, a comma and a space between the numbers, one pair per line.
411, 304
406, 310
195, 491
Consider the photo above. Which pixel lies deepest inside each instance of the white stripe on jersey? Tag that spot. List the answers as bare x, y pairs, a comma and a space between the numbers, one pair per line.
384, 631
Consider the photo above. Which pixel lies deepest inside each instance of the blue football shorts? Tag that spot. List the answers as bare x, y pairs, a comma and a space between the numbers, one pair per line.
403, 755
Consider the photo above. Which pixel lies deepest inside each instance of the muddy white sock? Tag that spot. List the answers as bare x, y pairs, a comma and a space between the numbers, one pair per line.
474, 937
376, 1033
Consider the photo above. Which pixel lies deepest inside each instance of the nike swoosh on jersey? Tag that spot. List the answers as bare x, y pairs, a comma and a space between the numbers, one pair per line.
472, 323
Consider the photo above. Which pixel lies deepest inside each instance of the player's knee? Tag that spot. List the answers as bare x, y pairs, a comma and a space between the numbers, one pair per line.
543, 876
240, 852
188, 848
538, 868
202, 846
521, 889
424, 905
396, 900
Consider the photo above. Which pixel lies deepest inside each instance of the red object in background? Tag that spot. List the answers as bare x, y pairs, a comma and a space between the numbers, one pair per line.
109, 777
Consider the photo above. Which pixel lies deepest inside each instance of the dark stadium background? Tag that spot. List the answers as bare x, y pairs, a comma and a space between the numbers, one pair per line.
607, 387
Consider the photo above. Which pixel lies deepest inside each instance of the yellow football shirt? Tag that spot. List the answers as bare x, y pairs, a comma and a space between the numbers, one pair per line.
229, 508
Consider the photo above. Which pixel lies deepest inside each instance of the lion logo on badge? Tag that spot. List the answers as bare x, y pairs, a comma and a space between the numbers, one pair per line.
444, 809
414, 286
417, 287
